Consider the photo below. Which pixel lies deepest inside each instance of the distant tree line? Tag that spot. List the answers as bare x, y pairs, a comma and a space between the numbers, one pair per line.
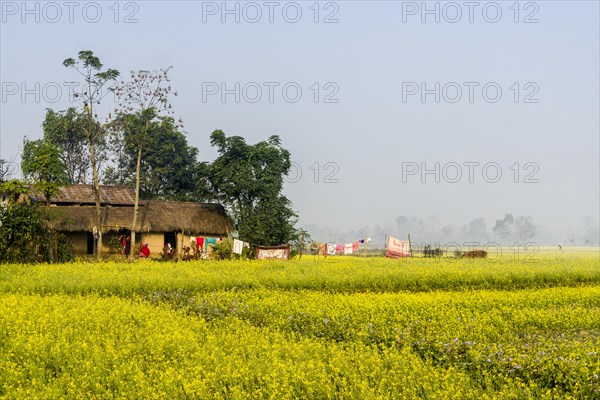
506, 230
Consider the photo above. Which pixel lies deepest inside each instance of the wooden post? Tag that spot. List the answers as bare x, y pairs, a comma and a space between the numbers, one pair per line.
410, 246
181, 247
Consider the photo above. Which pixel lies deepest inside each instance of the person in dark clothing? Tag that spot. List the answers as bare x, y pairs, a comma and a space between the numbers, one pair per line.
127, 246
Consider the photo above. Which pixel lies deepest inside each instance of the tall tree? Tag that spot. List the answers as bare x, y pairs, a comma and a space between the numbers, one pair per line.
248, 180
504, 227
521, 229
95, 80
524, 229
141, 101
476, 231
67, 130
42, 167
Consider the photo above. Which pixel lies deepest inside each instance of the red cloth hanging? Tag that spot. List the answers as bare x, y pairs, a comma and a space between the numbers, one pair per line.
199, 243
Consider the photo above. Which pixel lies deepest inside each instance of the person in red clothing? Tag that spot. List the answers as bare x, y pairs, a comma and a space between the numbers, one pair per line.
126, 242
127, 246
144, 251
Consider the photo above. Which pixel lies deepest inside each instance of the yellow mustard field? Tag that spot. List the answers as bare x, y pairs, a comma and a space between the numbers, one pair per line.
342, 328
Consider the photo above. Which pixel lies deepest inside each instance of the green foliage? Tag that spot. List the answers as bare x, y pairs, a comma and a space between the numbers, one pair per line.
67, 131
248, 180
64, 249
168, 163
270, 222
15, 188
91, 62
223, 250
42, 166
25, 237
23, 234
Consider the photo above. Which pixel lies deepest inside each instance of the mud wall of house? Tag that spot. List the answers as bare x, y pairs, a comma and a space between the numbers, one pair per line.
78, 241
155, 241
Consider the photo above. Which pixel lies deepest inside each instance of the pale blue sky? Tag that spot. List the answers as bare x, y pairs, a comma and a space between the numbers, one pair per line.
369, 55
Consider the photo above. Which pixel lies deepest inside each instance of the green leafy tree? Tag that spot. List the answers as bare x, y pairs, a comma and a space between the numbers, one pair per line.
42, 167
521, 229
67, 131
524, 229
23, 234
248, 180
270, 222
24, 237
168, 165
504, 227
14, 188
95, 81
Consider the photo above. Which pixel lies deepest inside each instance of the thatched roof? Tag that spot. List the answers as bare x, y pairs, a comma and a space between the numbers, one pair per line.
84, 195
154, 216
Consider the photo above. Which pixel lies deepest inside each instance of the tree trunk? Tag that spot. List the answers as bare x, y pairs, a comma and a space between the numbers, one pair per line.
51, 247
51, 229
137, 199
55, 244
96, 186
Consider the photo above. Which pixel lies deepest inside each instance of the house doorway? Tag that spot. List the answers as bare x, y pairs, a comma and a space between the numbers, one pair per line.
123, 234
90, 243
170, 237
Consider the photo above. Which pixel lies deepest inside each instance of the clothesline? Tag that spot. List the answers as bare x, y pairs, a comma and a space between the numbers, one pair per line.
330, 249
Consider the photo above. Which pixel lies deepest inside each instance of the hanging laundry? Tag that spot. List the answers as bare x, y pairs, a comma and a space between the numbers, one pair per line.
397, 248
361, 241
331, 249
355, 247
322, 249
199, 243
339, 248
273, 252
238, 245
209, 241
348, 248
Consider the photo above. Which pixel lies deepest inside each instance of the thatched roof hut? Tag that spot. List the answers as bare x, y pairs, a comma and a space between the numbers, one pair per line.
154, 216
84, 195
74, 211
